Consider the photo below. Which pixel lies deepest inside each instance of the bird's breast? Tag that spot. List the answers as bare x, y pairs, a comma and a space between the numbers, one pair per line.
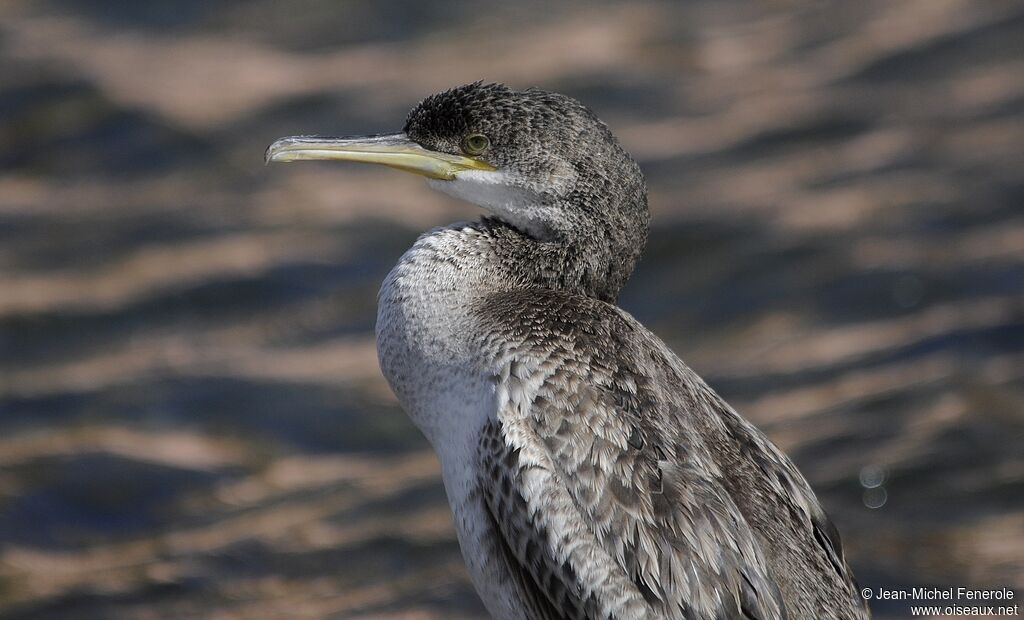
428, 341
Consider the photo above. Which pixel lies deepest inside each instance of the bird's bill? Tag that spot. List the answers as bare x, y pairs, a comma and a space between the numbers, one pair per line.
395, 150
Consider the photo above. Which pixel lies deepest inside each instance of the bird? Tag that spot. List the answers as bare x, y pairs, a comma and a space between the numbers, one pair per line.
590, 472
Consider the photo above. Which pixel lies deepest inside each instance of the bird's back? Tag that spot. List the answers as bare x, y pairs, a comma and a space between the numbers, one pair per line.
615, 473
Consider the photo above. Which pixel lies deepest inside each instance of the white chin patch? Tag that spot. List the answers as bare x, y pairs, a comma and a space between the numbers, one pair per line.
499, 193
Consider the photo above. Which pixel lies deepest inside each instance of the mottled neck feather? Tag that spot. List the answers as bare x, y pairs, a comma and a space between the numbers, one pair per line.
596, 255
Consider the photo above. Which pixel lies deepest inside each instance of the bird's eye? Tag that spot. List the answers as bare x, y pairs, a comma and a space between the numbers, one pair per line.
475, 143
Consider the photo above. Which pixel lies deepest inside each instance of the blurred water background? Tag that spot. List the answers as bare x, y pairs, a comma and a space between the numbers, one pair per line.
192, 423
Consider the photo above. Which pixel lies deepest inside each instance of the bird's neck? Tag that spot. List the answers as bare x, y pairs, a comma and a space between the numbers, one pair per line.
583, 264
596, 245
599, 235
581, 229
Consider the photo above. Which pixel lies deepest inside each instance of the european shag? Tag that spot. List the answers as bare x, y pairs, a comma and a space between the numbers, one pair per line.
591, 473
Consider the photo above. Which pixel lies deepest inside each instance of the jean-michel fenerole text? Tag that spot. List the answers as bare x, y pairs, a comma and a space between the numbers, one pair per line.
944, 594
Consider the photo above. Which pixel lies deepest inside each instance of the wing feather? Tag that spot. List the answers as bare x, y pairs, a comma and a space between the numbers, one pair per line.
611, 507
626, 488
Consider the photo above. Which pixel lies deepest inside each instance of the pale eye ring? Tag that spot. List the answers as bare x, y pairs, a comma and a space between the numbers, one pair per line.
475, 143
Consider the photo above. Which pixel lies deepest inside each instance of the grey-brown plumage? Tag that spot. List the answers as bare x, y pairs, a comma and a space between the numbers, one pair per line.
591, 473
695, 507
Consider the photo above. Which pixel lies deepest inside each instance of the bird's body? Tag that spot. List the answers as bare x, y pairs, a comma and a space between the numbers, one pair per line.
558, 419
590, 472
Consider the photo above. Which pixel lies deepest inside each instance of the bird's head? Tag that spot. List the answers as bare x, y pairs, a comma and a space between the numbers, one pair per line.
540, 161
